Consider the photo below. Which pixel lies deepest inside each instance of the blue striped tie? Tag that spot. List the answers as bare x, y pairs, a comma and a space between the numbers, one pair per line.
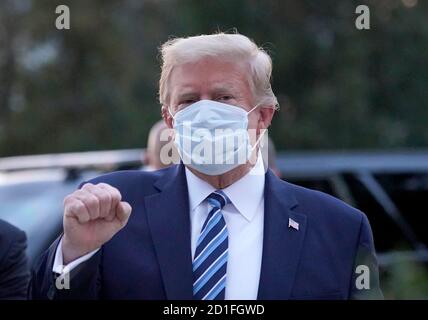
210, 261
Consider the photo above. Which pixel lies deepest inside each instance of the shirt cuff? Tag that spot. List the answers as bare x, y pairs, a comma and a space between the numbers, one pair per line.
58, 266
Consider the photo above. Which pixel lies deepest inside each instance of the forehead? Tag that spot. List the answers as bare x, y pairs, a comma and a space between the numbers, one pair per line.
209, 74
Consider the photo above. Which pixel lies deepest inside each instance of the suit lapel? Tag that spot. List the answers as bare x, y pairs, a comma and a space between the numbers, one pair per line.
169, 221
281, 244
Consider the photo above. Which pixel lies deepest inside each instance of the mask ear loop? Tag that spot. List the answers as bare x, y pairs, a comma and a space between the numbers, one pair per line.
170, 113
257, 142
264, 131
256, 106
259, 138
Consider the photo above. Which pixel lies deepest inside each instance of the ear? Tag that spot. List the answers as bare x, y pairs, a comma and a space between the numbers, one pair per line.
166, 116
266, 115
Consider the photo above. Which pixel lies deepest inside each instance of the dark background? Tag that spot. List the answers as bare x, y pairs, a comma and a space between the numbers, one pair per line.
94, 86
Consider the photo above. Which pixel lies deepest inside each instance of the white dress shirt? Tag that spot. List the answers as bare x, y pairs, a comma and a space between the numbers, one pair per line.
244, 220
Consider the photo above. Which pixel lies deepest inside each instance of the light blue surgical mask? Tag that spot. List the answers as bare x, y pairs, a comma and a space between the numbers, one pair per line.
212, 137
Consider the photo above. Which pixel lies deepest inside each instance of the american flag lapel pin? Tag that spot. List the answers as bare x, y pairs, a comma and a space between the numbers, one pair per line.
293, 224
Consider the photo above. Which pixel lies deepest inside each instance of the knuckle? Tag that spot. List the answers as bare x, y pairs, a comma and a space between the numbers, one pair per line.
116, 198
80, 193
92, 201
117, 195
78, 207
68, 199
87, 186
104, 197
127, 207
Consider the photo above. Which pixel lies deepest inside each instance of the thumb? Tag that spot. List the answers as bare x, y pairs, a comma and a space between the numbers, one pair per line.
123, 211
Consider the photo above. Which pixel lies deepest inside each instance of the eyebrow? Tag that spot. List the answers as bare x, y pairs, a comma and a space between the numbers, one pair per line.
186, 95
187, 92
225, 87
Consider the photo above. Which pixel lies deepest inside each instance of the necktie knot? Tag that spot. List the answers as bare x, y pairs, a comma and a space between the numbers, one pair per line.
218, 199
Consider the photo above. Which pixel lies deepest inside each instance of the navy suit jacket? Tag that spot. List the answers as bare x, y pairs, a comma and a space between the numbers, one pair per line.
14, 270
150, 258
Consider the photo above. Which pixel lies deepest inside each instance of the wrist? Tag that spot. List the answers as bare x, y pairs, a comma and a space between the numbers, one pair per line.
71, 252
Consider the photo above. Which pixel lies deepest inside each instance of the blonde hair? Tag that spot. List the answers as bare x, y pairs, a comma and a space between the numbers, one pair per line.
235, 47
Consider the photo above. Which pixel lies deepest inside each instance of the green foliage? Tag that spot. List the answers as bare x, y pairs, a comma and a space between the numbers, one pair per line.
95, 86
405, 280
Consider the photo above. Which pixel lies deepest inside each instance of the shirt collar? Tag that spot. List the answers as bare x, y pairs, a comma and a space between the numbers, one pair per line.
198, 189
245, 199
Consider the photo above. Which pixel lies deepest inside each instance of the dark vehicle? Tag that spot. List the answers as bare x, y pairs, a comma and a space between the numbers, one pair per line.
32, 201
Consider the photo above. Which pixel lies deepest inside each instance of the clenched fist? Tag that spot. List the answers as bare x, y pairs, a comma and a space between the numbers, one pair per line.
92, 216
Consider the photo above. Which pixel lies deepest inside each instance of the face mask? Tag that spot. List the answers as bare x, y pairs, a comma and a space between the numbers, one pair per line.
212, 137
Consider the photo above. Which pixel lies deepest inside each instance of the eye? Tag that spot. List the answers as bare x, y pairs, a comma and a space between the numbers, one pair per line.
225, 98
185, 103
188, 101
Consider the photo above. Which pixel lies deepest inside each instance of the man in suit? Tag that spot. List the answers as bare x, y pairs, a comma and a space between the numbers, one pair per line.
218, 225
14, 272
